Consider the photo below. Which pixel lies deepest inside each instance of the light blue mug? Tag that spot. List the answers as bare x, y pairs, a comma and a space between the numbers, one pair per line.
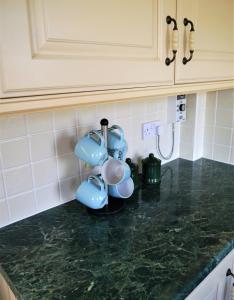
91, 148
122, 190
117, 145
92, 192
115, 171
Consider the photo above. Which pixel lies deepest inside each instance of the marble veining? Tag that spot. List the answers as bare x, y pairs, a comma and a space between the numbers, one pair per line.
160, 246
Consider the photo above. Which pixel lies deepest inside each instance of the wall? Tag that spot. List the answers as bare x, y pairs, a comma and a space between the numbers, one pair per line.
192, 131
219, 126
38, 169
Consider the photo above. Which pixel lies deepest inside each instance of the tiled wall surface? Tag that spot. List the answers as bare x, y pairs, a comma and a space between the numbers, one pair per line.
38, 169
192, 131
219, 126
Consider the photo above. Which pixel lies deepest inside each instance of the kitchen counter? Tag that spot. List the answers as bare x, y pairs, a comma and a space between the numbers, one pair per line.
160, 246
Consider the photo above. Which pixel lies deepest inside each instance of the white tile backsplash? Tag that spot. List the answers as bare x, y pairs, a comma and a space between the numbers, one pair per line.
224, 117
68, 188
42, 146
48, 196
15, 153
4, 214
12, 127
64, 118
66, 141
18, 180
67, 166
222, 136
38, 169
2, 189
39, 121
45, 172
221, 153
219, 126
232, 156
22, 206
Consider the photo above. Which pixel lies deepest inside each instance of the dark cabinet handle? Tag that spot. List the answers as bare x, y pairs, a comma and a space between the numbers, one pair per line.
170, 20
191, 40
229, 273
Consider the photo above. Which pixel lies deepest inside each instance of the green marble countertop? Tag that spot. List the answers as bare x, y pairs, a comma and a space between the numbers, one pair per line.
159, 247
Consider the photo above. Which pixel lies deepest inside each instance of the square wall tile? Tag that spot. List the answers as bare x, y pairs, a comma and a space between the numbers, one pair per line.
126, 125
86, 116
68, 188
18, 180
42, 146
221, 153
226, 99
67, 166
135, 124
224, 118
12, 127
138, 108
2, 191
22, 206
123, 109
107, 111
207, 150
186, 151
210, 108
232, 156
191, 110
153, 105
66, 141
39, 121
64, 118
48, 197
187, 134
4, 216
223, 136
45, 172
15, 153
208, 134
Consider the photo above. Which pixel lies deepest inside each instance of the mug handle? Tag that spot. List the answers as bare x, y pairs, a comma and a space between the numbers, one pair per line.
98, 180
114, 127
98, 134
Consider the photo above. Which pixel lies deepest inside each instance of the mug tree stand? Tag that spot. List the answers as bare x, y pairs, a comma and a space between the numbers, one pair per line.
114, 205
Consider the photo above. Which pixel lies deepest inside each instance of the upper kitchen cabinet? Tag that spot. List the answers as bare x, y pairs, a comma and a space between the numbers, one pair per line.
212, 40
61, 46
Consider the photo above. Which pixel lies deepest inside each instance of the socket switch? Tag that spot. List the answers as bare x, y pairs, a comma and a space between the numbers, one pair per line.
149, 129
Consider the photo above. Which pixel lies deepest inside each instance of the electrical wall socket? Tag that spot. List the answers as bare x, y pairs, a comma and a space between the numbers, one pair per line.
149, 129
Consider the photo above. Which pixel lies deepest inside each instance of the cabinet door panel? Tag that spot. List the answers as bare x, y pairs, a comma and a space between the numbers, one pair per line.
214, 40
51, 46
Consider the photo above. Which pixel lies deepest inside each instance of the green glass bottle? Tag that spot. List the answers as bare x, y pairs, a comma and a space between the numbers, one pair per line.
151, 170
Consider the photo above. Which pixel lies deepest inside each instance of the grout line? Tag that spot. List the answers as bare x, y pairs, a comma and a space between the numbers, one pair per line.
56, 155
30, 161
215, 118
38, 161
4, 186
232, 138
29, 135
40, 187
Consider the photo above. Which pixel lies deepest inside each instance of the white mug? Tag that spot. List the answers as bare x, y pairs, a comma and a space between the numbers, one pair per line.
115, 171
122, 190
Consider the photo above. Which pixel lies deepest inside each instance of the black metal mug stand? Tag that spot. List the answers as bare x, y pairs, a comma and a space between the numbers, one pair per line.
114, 205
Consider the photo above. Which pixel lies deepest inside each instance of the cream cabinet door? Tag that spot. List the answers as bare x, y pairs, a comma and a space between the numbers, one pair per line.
57, 46
213, 57
216, 286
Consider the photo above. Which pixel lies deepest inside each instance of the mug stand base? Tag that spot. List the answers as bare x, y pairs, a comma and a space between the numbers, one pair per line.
114, 206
